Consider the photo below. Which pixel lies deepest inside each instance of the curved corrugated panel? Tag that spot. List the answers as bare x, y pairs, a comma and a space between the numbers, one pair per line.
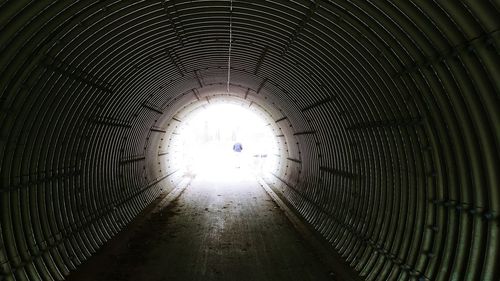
388, 114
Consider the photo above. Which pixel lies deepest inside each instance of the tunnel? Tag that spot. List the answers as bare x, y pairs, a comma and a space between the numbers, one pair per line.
386, 116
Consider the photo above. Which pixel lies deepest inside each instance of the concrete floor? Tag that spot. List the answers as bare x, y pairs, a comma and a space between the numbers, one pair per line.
227, 229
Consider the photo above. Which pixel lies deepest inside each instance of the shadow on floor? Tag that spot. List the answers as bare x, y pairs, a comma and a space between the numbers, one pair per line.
217, 229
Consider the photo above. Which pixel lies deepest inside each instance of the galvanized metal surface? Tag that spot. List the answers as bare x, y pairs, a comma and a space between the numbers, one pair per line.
400, 99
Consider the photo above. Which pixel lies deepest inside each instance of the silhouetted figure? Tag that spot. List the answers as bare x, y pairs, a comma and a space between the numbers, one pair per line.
237, 147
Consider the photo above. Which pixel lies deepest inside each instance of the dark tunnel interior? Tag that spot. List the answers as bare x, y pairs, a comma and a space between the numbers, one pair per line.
386, 114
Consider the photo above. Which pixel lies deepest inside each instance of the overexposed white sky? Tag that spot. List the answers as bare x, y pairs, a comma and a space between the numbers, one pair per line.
206, 139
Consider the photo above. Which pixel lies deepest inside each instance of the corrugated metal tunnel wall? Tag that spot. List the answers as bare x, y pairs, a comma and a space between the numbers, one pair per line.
388, 114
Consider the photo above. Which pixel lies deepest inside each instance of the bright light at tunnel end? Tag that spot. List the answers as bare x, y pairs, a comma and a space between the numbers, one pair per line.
204, 143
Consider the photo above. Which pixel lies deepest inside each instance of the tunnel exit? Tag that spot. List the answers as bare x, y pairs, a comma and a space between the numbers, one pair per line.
221, 140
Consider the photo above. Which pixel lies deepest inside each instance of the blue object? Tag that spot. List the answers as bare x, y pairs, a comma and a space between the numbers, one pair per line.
237, 147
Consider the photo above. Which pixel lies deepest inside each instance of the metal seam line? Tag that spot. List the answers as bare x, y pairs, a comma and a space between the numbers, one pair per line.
230, 43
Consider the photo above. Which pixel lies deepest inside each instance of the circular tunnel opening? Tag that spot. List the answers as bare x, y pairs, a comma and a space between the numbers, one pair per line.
222, 139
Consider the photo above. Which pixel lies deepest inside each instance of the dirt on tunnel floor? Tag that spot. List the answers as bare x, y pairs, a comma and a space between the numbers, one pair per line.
217, 229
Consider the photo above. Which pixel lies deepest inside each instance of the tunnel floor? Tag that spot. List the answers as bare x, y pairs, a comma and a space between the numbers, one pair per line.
217, 229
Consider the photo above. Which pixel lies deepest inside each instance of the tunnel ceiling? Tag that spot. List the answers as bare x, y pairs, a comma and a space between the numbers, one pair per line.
387, 111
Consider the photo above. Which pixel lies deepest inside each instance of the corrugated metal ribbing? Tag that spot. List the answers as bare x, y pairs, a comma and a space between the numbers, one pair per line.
387, 114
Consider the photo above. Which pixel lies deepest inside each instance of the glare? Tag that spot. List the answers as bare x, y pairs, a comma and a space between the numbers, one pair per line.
204, 143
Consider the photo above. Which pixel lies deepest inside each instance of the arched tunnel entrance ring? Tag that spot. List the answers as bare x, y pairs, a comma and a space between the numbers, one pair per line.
263, 139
